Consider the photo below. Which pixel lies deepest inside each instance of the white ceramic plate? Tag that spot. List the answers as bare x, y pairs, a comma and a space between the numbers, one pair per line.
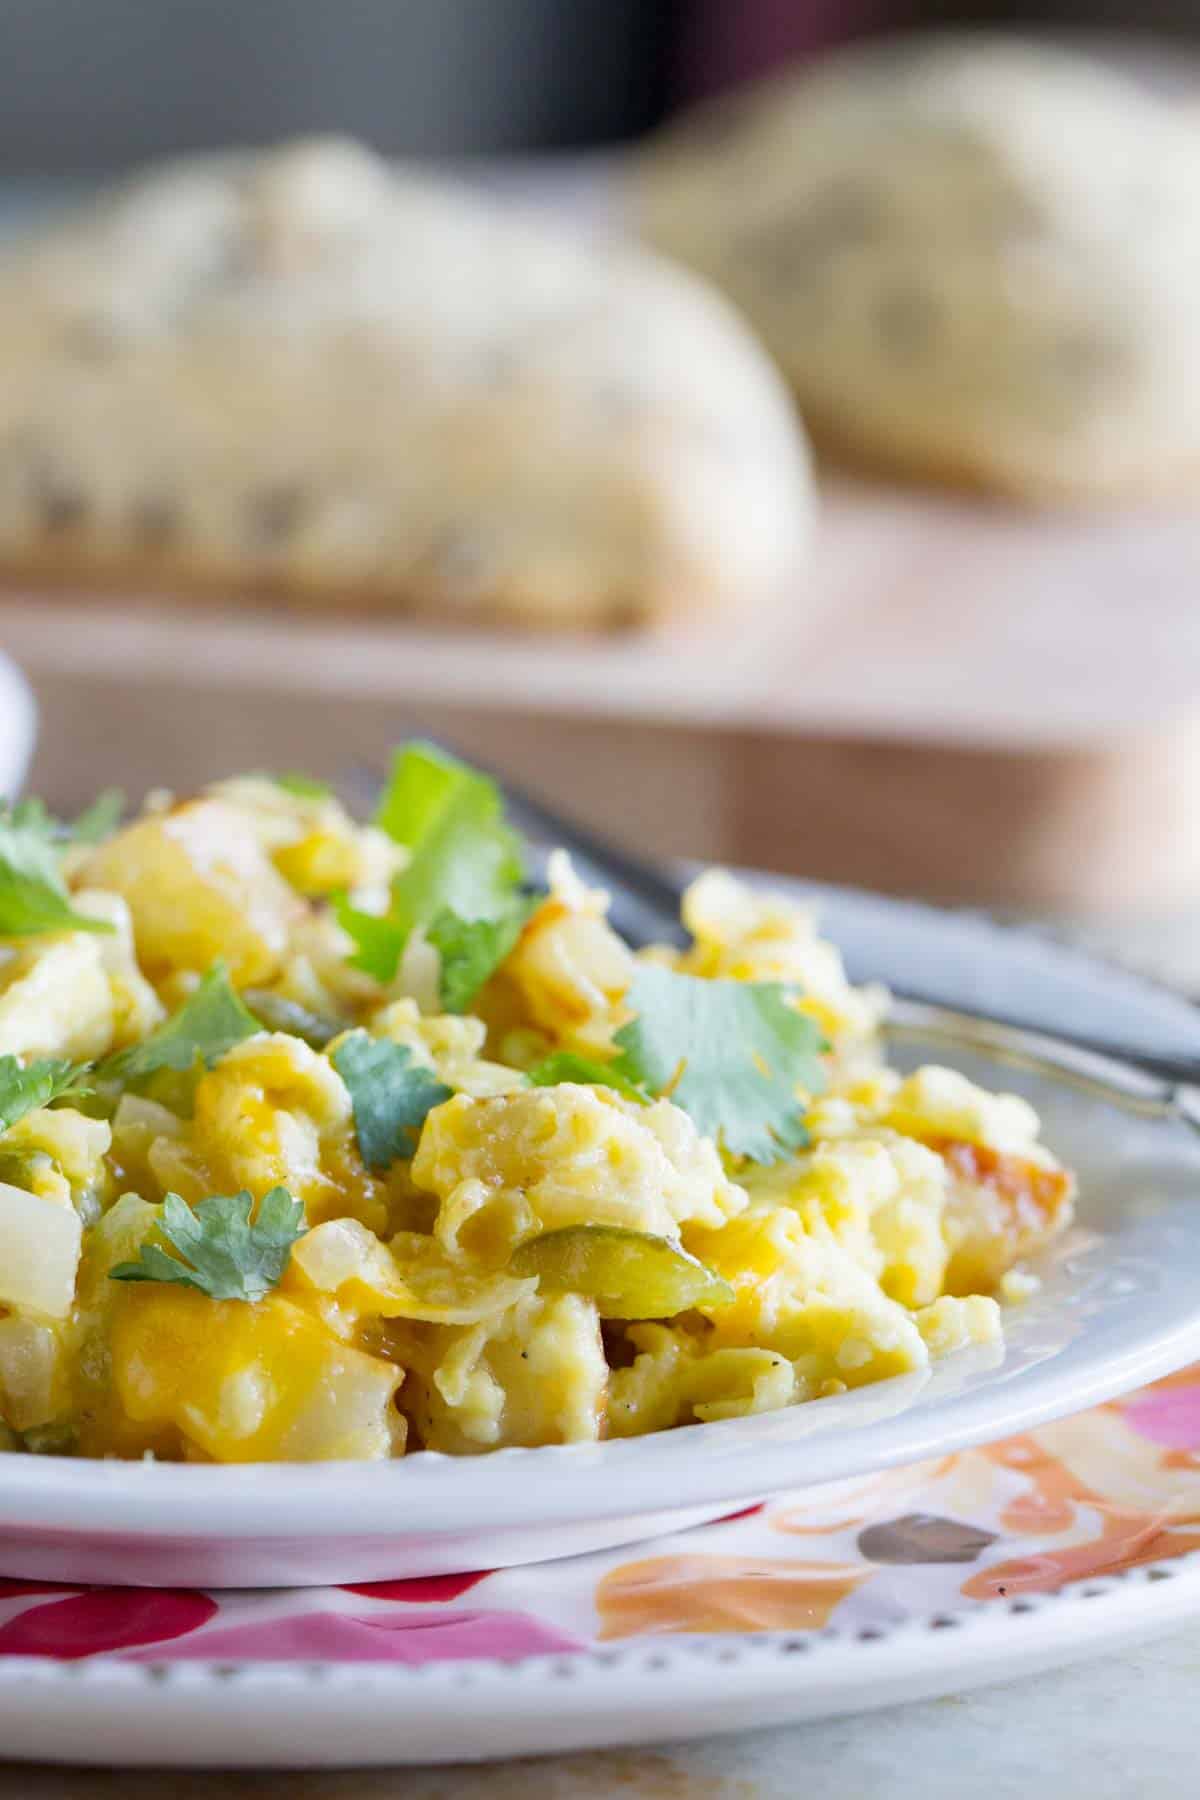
17, 726
1120, 1305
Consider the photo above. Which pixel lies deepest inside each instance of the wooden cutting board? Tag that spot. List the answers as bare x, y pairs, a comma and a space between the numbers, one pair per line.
957, 698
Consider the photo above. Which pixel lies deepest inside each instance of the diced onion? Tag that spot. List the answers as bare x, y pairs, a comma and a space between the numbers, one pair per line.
30, 1358
39, 1252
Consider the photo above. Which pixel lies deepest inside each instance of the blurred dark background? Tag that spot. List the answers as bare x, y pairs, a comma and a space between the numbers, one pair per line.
92, 84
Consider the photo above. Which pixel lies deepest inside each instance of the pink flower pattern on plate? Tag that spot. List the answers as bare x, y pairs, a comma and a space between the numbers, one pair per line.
1106, 1490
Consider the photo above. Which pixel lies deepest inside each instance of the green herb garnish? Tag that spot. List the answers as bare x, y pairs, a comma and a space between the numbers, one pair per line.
33, 894
471, 950
391, 1095
464, 874
565, 1065
23, 1090
305, 787
208, 1024
735, 1055
97, 821
228, 1255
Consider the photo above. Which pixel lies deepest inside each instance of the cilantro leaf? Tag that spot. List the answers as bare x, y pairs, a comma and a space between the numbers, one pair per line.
24, 1089
452, 820
464, 860
472, 949
33, 894
732, 1054
228, 1256
99, 820
305, 787
564, 1065
32, 814
379, 939
94, 822
210, 1022
391, 1095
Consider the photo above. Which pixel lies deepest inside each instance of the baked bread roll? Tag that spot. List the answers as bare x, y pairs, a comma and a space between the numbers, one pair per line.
301, 372
974, 259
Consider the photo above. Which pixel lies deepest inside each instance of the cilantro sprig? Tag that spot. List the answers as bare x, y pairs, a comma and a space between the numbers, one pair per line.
472, 949
735, 1055
391, 1095
97, 821
462, 882
228, 1251
208, 1024
33, 893
23, 1090
94, 823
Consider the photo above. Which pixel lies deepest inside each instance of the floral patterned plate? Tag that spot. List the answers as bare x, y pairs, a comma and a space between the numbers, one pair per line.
1074, 1537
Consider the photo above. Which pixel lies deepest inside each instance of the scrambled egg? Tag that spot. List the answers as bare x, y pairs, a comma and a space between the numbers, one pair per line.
507, 1168
396, 1319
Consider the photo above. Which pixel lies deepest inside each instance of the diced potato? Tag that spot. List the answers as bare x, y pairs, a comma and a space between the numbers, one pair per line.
251, 1383
40, 1243
199, 886
137, 1126
321, 863
33, 1373
55, 999
115, 1238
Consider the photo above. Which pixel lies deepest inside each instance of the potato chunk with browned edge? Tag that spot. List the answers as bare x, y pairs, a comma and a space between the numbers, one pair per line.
199, 886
